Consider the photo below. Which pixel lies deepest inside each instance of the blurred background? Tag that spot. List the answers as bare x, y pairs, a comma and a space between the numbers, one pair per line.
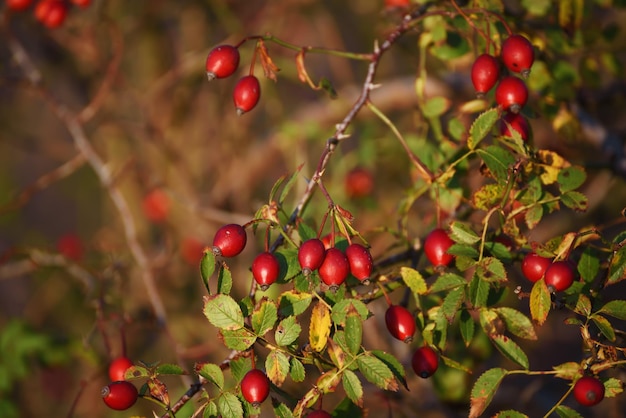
75, 284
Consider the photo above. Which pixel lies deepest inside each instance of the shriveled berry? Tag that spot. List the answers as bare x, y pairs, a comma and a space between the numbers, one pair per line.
360, 260
229, 240
222, 61
436, 246
400, 323
265, 269
120, 395
518, 54
425, 362
311, 255
246, 94
512, 94
485, 73
255, 387
515, 122
534, 266
334, 268
588, 391
560, 275
118, 368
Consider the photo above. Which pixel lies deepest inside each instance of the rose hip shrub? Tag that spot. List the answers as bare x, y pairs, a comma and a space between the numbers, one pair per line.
368, 233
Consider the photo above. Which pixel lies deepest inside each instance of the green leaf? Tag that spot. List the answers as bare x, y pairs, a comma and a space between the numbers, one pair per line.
484, 389
481, 127
604, 326
341, 308
239, 367
575, 200
291, 180
517, 323
478, 292
455, 364
540, 302
376, 372
347, 408
277, 367
435, 107
614, 308
509, 413
447, 281
207, 267
414, 280
224, 280
583, 305
613, 387
452, 302
353, 330
352, 386
510, 349
287, 331
589, 264
264, 317
497, 161
462, 233
567, 371
566, 412
229, 405
281, 410
571, 178
488, 196
467, 326
296, 370
394, 365
489, 320
306, 232
240, 339
171, 369
223, 312
617, 266
491, 269
466, 251
212, 373
210, 410
289, 266
293, 303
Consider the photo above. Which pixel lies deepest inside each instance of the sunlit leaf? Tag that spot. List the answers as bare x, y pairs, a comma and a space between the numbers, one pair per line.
353, 330
229, 405
510, 350
414, 280
223, 312
264, 317
614, 308
377, 372
207, 267
319, 329
277, 367
211, 372
540, 302
604, 326
353, 387
240, 339
484, 389
287, 331
481, 126
293, 303
517, 323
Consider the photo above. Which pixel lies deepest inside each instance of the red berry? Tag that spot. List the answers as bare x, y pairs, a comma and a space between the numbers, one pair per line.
560, 275
436, 246
334, 268
534, 266
265, 269
396, 3
359, 183
120, 395
588, 391
400, 323
255, 387
229, 240
82, 3
192, 250
319, 413
19, 5
518, 54
311, 255
485, 73
222, 61
71, 246
51, 13
156, 205
425, 362
246, 94
360, 260
516, 122
512, 94
118, 368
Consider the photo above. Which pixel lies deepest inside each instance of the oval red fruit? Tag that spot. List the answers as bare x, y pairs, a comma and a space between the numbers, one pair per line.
265, 269
156, 205
118, 368
518, 54
120, 395
359, 183
360, 260
512, 93
255, 387
400, 323
425, 362
436, 246
18, 5
588, 391
51, 13
229, 240
534, 266
560, 275
222, 61
311, 255
515, 122
334, 268
485, 73
246, 94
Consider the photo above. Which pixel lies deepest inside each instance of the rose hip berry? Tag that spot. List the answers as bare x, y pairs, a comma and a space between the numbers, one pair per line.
120, 395
512, 94
559, 276
359, 183
360, 260
51, 13
255, 387
588, 391
222, 62
485, 73
334, 268
246, 94
229, 240
534, 266
518, 54
311, 255
18, 5
265, 269
435, 247
425, 362
320, 413
156, 205
400, 323
516, 122
118, 368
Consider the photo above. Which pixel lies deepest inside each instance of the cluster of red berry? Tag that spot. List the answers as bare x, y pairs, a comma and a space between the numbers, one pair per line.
222, 62
50, 13
558, 275
511, 94
120, 394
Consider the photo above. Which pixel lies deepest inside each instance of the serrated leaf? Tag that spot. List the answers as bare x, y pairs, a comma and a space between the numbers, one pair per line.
550, 163
296, 370
239, 367
463, 233
604, 326
277, 367
280, 409
352, 386
376, 372
293, 303
341, 308
583, 305
447, 281
207, 267
347, 408
517, 323
510, 350
353, 330
488, 196
589, 264
414, 280
435, 107
229, 406
566, 412
210, 410
617, 266
540, 302
575, 200
484, 389
328, 381
394, 365
306, 232
465, 251
455, 364
289, 266
613, 387
614, 308
172, 369
489, 321
509, 413
452, 302
337, 349
287, 331
498, 161
478, 292
567, 371
264, 317
571, 178
319, 329
240, 339
223, 312
491, 269
467, 326
158, 390
481, 127
224, 280
211, 372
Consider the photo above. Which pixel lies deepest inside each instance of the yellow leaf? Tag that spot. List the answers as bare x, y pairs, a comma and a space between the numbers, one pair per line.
319, 329
551, 163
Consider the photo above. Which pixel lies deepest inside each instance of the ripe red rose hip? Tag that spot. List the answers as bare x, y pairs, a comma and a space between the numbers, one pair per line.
425, 362
311, 255
318, 414
534, 266
435, 247
360, 260
518, 54
246, 94
119, 395
222, 61
485, 73
515, 122
255, 387
18, 5
588, 391
156, 205
512, 94
229, 240
265, 269
359, 183
334, 268
51, 13
400, 323
560, 275
118, 368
